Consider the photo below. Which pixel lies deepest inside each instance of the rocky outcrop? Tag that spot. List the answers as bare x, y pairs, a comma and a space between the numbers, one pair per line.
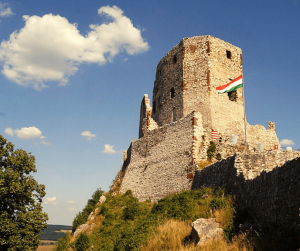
80, 229
204, 230
102, 199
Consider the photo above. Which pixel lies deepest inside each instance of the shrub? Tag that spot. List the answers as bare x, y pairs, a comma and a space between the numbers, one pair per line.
83, 242
131, 211
211, 150
62, 243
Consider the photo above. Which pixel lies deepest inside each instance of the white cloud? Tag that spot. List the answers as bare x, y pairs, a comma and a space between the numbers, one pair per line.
45, 143
5, 11
28, 132
49, 48
88, 134
51, 200
71, 201
25, 132
109, 149
287, 142
9, 131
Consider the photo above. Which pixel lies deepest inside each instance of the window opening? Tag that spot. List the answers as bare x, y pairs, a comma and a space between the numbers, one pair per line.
175, 59
174, 115
159, 72
158, 102
172, 92
228, 54
232, 95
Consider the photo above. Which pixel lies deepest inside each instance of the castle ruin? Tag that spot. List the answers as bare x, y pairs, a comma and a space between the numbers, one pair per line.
176, 131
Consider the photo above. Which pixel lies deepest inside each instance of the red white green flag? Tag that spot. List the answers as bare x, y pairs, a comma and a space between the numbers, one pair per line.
231, 86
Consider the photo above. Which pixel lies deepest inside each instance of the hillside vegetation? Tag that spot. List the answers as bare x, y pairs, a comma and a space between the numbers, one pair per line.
124, 223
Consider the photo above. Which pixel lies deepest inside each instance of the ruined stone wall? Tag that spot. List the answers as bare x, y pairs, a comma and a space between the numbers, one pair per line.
162, 162
259, 134
146, 122
255, 134
266, 185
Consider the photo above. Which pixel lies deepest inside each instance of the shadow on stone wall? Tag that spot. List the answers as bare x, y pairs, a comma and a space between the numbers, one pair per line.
271, 199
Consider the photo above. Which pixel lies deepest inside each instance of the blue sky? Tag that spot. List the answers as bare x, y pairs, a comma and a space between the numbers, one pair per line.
73, 74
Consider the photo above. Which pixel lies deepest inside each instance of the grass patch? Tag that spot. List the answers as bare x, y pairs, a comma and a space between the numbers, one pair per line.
123, 223
203, 163
128, 224
169, 236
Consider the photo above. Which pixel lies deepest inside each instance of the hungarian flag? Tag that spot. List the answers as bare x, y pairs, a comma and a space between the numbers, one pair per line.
231, 86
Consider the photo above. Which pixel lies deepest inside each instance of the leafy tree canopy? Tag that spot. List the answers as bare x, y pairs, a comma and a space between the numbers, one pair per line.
21, 216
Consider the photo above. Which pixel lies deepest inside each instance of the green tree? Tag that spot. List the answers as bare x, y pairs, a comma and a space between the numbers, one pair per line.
83, 242
21, 216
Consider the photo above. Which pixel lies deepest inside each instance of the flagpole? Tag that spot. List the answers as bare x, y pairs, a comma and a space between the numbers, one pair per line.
245, 116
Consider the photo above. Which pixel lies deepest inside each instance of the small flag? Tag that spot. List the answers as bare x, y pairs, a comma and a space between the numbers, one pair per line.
260, 147
234, 139
231, 86
214, 135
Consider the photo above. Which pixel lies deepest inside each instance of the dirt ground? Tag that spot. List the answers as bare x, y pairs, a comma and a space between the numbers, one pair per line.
45, 248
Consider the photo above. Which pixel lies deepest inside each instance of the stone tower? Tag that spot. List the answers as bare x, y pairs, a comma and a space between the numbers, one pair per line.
175, 133
186, 81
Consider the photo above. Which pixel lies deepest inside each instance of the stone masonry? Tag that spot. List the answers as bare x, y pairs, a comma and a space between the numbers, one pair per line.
175, 132
161, 162
266, 185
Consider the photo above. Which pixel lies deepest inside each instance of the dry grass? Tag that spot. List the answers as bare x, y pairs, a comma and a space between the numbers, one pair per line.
45, 248
171, 234
222, 216
203, 163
